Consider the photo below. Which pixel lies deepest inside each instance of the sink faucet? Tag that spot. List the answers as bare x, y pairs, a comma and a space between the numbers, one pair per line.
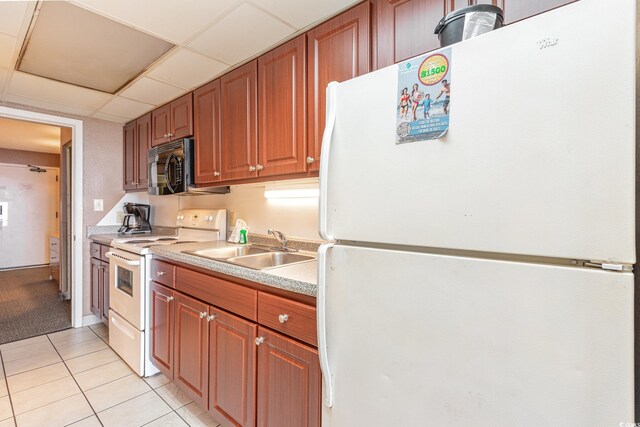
280, 237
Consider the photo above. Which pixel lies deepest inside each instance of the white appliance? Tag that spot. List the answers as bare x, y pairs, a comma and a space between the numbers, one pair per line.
487, 279
130, 275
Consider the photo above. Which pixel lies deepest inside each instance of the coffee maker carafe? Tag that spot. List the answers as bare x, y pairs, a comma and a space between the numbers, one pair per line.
136, 218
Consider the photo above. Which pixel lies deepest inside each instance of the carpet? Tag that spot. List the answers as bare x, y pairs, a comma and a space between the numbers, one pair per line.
29, 305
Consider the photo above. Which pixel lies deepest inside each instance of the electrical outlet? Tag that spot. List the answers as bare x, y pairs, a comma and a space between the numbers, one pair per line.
98, 205
119, 216
231, 218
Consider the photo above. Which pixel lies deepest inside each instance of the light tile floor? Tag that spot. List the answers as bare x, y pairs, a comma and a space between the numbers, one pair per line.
73, 378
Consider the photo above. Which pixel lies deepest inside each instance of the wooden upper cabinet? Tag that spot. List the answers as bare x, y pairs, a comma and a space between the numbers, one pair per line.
232, 367
337, 50
162, 328
191, 351
206, 106
239, 122
160, 125
143, 143
130, 156
405, 28
282, 108
182, 117
289, 382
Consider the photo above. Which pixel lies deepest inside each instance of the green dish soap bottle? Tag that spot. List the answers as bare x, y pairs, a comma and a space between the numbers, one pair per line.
243, 237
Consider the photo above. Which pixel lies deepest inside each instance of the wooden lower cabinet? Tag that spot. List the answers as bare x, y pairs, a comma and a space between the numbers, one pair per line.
104, 306
191, 347
162, 315
232, 367
96, 279
289, 382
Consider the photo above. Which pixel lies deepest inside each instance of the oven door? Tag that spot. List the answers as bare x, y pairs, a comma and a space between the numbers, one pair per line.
126, 286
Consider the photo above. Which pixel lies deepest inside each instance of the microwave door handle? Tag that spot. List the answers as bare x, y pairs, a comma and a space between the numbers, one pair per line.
167, 165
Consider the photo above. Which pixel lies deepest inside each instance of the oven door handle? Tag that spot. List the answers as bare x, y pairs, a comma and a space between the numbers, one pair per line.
120, 260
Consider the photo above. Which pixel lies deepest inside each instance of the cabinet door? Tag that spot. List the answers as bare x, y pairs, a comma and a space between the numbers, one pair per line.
104, 301
182, 117
281, 97
96, 278
232, 367
160, 125
404, 28
143, 143
239, 122
289, 383
206, 102
191, 361
515, 10
130, 156
162, 325
337, 50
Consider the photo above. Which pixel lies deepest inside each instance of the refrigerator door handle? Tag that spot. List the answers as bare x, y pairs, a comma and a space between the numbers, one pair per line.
324, 159
322, 325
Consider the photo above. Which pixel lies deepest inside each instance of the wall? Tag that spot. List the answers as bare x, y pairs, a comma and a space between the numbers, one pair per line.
102, 175
22, 157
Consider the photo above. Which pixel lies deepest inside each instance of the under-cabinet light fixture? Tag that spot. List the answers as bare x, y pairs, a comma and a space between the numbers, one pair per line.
291, 191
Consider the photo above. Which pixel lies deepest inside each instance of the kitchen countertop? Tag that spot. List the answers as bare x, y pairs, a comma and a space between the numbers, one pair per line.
301, 278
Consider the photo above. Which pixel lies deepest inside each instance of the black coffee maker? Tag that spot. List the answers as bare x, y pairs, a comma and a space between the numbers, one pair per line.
136, 219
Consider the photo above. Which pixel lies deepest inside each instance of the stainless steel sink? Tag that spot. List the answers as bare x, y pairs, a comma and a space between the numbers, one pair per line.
270, 260
228, 252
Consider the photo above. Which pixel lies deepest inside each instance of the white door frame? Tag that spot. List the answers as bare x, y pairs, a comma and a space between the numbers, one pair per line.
76, 195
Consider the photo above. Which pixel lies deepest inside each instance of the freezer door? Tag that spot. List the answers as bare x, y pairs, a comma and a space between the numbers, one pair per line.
430, 340
539, 158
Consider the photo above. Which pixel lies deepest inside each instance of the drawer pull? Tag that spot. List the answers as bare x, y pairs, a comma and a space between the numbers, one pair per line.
259, 340
160, 273
283, 318
169, 299
203, 314
211, 317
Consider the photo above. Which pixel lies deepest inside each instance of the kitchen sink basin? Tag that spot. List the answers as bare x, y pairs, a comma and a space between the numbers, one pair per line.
228, 252
268, 260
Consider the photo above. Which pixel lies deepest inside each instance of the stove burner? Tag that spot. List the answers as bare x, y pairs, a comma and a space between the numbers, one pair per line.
166, 238
138, 241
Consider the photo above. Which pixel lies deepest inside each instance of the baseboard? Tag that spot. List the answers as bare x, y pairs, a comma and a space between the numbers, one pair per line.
91, 319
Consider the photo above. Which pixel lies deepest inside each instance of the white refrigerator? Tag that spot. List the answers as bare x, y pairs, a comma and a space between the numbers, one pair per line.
485, 278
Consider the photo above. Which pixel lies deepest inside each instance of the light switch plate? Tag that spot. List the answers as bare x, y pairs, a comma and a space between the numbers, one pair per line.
98, 205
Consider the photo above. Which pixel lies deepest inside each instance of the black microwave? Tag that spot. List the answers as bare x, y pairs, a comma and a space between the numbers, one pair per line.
171, 167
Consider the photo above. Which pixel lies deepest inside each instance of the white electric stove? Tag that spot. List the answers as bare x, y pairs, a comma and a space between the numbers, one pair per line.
130, 276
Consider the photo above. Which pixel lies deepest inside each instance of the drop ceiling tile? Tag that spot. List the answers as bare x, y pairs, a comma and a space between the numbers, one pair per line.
123, 107
12, 14
26, 85
301, 13
151, 91
110, 117
7, 46
171, 20
241, 34
187, 69
47, 105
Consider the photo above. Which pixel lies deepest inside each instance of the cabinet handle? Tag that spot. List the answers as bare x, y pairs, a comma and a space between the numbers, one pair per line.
169, 299
252, 168
211, 317
160, 273
203, 314
216, 173
165, 135
283, 318
310, 160
259, 340
259, 167
170, 134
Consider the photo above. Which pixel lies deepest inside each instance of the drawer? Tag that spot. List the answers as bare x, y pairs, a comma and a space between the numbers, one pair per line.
229, 296
163, 273
103, 250
94, 250
289, 317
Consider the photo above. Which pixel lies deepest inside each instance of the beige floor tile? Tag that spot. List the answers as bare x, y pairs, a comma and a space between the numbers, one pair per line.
9, 422
195, 416
82, 348
102, 374
37, 377
16, 344
5, 408
158, 380
35, 397
67, 332
91, 360
116, 392
67, 340
101, 329
4, 391
26, 350
173, 395
170, 420
33, 361
91, 421
135, 412
61, 413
